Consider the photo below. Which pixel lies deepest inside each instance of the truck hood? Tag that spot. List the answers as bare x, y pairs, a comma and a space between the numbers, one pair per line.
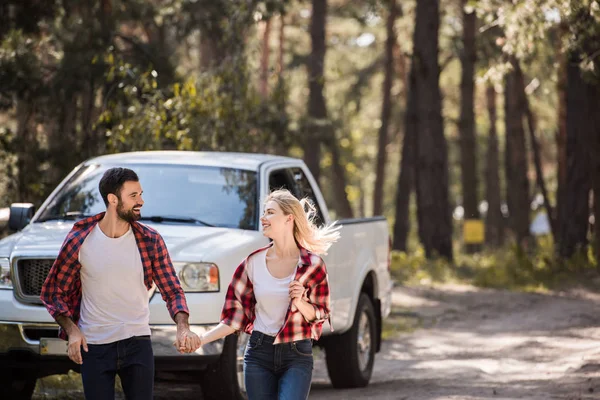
185, 243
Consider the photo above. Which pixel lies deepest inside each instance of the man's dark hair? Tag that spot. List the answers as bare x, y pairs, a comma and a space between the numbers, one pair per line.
112, 182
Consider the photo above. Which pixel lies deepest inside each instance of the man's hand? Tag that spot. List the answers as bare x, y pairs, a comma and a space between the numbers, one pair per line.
76, 342
187, 341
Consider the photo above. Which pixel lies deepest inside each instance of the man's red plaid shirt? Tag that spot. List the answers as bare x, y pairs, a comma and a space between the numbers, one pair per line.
238, 311
61, 292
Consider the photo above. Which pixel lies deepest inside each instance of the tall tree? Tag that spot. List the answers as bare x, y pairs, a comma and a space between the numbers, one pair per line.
494, 225
386, 109
319, 128
317, 109
517, 183
406, 176
582, 100
561, 132
433, 207
468, 144
264, 59
537, 159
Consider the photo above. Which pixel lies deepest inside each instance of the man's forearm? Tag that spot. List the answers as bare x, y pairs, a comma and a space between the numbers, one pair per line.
66, 324
181, 319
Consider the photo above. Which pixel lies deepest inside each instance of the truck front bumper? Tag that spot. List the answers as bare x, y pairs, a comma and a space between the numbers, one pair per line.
23, 345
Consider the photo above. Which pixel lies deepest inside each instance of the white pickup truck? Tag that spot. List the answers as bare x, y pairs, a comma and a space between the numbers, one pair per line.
206, 206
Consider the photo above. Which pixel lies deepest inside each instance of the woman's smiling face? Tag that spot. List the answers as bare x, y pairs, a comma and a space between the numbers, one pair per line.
273, 220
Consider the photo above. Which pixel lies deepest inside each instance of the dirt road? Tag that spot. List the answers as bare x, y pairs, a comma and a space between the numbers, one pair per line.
485, 344
475, 344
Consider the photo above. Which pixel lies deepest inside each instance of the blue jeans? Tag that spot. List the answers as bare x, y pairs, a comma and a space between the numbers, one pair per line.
277, 371
131, 358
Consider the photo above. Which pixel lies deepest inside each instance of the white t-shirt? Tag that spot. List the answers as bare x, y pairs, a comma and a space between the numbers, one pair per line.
114, 304
271, 294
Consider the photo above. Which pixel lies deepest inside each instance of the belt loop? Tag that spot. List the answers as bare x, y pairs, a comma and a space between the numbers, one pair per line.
260, 338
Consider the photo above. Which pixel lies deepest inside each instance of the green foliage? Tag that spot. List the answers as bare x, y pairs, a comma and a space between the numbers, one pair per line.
21, 67
506, 268
216, 111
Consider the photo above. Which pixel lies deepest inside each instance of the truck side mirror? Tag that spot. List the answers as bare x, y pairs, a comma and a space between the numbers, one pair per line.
20, 215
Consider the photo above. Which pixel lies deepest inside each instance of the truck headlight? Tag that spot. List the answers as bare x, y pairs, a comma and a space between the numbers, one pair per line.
198, 277
5, 281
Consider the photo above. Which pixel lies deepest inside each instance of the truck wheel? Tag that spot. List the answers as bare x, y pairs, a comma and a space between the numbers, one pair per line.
224, 380
350, 356
17, 384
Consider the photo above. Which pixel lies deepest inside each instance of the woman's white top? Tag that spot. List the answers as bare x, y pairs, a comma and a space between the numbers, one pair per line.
271, 294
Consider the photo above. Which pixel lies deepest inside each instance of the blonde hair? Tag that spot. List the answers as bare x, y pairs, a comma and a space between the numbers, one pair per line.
307, 234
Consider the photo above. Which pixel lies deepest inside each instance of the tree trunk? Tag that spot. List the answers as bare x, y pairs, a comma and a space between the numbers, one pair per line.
433, 208
581, 100
280, 61
342, 205
317, 110
494, 224
535, 147
468, 144
596, 187
406, 176
386, 109
209, 54
561, 140
517, 183
264, 60
26, 150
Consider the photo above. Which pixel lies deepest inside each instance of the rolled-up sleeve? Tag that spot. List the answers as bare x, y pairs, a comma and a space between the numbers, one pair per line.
238, 310
318, 293
166, 279
59, 285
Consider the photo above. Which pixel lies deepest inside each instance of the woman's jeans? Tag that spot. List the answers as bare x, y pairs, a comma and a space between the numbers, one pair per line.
131, 358
277, 371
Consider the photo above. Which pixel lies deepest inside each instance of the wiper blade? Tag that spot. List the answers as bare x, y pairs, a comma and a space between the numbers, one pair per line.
69, 215
160, 218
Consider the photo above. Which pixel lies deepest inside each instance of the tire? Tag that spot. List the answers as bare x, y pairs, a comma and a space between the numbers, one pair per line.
17, 384
224, 380
350, 356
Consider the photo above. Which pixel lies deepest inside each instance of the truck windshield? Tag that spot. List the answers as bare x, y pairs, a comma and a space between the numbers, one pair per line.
173, 194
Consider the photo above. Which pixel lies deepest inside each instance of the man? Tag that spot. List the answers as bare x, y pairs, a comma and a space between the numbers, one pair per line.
97, 291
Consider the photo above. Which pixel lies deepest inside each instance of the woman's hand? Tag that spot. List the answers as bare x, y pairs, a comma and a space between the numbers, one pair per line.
297, 291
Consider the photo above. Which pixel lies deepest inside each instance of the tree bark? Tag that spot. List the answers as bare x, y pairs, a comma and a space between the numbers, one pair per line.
535, 147
342, 205
581, 103
280, 61
317, 110
494, 224
433, 208
517, 183
386, 110
596, 188
561, 140
264, 60
406, 175
468, 144
26, 150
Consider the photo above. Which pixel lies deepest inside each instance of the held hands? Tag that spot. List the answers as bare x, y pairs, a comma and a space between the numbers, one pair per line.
76, 342
187, 341
297, 292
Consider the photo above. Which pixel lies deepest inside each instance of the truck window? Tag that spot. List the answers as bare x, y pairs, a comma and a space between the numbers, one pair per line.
281, 179
223, 197
304, 189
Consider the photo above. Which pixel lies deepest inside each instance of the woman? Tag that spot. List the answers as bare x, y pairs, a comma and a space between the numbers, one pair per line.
280, 295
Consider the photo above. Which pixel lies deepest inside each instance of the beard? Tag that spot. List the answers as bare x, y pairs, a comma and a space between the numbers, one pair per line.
127, 215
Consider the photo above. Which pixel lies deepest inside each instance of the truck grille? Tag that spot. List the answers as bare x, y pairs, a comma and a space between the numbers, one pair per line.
31, 276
